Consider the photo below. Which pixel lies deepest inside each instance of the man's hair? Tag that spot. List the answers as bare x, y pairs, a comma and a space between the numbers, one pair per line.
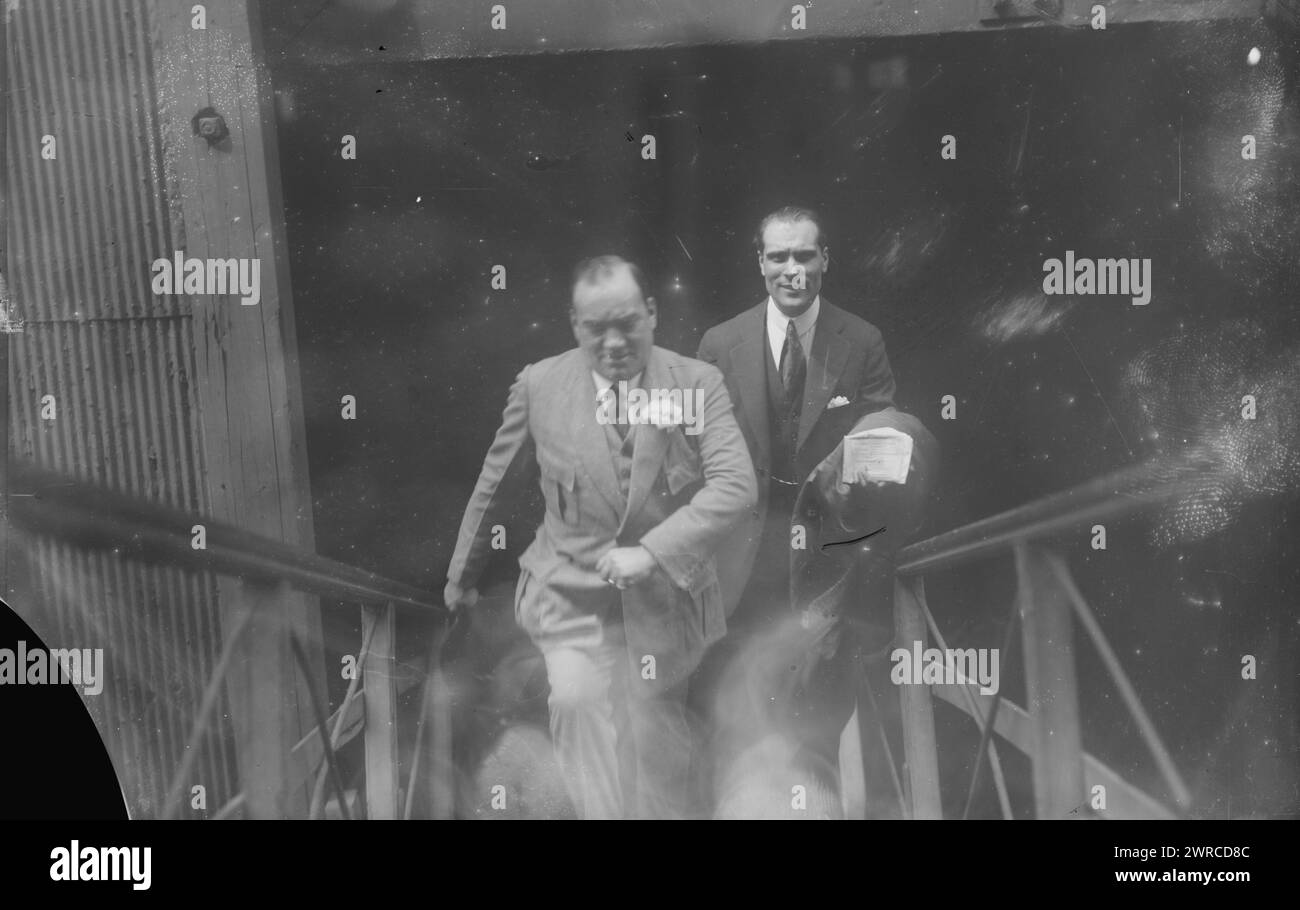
792, 213
599, 268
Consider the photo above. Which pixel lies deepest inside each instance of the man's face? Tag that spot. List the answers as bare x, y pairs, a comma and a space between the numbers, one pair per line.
613, 325
793, 262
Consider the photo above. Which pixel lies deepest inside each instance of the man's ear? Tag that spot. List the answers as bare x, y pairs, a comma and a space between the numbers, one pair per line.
760, 263
654, 313
826, 259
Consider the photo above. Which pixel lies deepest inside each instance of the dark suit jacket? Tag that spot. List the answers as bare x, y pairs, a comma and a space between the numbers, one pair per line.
847, 361
684, 494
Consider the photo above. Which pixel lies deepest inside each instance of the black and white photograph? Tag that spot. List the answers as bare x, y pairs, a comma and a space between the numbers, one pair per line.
695, 410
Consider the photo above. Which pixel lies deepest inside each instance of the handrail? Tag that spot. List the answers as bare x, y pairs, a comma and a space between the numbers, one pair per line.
1048, 729
91, 515
1108, 496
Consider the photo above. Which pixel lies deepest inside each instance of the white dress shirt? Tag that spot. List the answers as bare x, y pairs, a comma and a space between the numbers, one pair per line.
603, 385
804, 324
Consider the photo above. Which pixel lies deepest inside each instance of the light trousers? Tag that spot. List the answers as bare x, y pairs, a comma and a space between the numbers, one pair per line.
625, 748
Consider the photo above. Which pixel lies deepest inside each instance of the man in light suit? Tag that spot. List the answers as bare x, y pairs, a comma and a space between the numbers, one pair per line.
800, 372
619, 589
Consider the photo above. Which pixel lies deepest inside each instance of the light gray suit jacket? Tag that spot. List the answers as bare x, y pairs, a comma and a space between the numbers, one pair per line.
684, 495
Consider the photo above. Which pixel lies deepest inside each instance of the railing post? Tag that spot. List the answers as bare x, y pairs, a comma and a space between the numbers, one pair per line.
920, 748
443, 776
1051, 686
262, 690
380, 698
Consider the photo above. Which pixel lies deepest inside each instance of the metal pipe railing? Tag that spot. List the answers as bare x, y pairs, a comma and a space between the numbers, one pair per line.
1052, 740
89, 515
1106, 497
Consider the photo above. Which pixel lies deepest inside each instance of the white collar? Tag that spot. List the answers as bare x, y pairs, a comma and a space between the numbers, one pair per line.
603, 385
802, 323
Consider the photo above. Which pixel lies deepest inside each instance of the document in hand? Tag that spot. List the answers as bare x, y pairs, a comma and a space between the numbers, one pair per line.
881, 455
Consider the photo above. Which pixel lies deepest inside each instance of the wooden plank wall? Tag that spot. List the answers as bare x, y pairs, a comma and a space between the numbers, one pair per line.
228, 204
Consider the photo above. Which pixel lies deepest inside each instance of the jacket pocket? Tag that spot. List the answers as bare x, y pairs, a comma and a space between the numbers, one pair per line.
560, 482
682, 465
706, 592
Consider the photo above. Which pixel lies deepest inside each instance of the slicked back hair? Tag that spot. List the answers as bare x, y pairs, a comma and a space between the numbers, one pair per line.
792, 213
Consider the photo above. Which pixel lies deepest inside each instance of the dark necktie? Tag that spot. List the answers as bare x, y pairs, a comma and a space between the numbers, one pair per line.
617, 410
793, 366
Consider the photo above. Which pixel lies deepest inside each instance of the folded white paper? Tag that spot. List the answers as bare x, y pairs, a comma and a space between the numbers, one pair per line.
882, 455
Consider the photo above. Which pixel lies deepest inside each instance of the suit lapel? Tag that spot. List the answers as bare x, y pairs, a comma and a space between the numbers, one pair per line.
649, 443
825, 364
593, 449
750, 372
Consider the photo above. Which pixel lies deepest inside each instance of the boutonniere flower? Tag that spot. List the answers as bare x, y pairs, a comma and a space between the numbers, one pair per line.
665, 413
838, 401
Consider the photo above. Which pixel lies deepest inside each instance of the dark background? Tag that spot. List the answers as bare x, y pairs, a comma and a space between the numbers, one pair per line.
1118, 143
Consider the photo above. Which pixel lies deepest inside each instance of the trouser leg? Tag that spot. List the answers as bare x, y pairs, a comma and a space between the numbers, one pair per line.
820, 707
663, 745
584, 728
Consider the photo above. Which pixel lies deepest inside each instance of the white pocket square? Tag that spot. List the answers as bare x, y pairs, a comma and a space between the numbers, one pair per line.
838, 401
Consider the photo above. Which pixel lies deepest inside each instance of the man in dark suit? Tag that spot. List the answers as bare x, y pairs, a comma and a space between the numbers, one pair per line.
619, 588
800, 372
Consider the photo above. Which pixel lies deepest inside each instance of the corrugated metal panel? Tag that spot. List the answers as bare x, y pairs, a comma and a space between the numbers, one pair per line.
85, 227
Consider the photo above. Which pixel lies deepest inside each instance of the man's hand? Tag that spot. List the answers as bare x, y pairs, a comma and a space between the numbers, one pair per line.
862, 480
455, 597
626, 566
